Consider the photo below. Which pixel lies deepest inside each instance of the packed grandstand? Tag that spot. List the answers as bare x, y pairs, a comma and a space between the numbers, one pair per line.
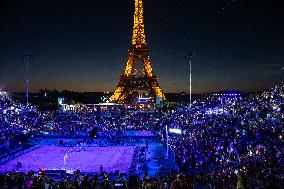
225, 142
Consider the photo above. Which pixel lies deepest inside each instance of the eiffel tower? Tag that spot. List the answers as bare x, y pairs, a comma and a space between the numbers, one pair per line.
130, 81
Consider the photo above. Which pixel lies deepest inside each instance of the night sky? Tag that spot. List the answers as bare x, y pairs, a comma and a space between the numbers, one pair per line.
82, 45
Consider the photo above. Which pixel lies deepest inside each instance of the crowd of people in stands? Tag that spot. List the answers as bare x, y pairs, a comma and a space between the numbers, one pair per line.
225, 141
98, 181
233, 136
15, 118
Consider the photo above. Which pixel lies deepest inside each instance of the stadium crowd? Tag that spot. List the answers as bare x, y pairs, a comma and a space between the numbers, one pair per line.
226, 142
226, 137
15, 119
98, 181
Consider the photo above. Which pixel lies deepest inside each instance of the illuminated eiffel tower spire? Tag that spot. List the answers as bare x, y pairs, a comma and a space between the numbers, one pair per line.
129, 81
138, 37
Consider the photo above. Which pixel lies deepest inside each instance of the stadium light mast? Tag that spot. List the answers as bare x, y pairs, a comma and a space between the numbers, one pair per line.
189, 58
27, 59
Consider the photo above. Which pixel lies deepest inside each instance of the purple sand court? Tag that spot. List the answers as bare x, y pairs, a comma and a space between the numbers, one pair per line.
51, 157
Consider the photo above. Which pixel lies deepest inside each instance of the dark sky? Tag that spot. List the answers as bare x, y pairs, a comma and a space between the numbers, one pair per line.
82, 45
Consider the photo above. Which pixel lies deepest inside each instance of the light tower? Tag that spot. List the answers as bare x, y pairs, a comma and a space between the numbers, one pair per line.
27, 59
189, 58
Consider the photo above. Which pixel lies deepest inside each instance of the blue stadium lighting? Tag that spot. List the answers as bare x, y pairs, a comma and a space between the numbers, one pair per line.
176, 131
